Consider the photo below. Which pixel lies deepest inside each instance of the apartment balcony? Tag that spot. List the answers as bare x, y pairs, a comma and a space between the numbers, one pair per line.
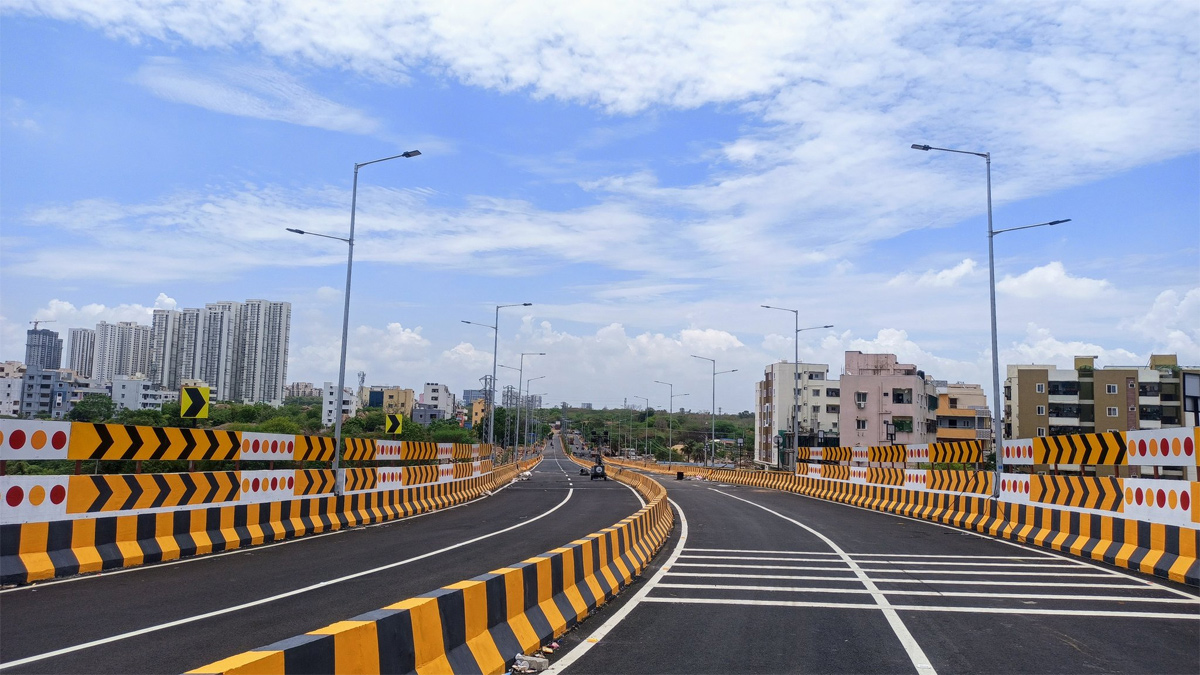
1064, 421
1063, 398
1149, 400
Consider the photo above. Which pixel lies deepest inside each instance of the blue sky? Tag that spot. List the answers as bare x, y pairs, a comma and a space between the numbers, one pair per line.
647, 174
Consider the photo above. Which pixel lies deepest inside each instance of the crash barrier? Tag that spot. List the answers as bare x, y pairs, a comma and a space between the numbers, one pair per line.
479, 625
97, 540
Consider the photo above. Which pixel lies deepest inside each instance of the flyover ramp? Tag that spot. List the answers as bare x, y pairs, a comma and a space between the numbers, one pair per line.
239, 586
767, 581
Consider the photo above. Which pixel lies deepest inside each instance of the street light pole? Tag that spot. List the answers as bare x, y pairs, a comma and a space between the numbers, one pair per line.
495, 345
997, 430
520, 403
670, 421
713, 412
795, 381
646, 412
529, 409
337, 424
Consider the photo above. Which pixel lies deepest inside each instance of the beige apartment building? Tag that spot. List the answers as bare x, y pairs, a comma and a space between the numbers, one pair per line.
817, 401
885, 402
963, 415
1043, 400
393, 400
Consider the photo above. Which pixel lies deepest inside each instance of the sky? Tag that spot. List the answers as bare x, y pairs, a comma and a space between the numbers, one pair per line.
646, 174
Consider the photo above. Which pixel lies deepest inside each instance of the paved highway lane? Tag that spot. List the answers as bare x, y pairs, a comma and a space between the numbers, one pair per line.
769, 582
41, 619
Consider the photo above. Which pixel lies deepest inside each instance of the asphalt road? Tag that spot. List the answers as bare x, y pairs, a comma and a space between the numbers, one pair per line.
104, 609
860, 591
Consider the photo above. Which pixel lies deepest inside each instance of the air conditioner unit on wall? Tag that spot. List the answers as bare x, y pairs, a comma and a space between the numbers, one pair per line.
861, 404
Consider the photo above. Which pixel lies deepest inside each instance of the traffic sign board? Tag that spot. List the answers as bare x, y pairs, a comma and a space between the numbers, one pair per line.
393, 424
193, 403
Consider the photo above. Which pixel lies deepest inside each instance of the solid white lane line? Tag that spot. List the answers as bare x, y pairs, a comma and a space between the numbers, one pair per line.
612, 622
279, 596
938, 594
915, 653
923, 608
247, 549
880, 562
1040, 584
1082, 562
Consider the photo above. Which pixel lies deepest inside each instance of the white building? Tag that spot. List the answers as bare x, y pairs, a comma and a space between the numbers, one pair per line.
121, 349
10, 395
220, 360
329, 403
265, 327
164, 349
885, 402
440, 397
139, 393
82, 351
817, 406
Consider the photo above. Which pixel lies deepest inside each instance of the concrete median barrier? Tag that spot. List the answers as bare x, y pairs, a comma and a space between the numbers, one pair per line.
478, 625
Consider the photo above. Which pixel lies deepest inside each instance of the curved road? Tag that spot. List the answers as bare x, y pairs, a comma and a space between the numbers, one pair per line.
177, 616
764, 581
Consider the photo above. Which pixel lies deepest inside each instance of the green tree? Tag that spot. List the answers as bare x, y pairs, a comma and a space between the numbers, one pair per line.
144, 418
93, 408
280, 425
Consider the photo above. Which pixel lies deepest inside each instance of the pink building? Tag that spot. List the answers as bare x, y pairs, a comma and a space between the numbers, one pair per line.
878, 395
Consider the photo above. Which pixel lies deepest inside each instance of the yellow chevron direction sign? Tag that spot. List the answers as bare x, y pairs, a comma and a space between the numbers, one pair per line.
193, 403
393, 424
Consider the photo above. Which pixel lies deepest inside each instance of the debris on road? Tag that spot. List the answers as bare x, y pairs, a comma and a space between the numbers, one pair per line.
525, 475
530, 664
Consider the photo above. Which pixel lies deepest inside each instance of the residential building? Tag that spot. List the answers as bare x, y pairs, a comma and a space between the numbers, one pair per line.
82, 351
10, 394
305, 389
393, 400
424, 413
477, 413
11, 368
165, 371
43, 349
816, 416
471, 395
439, 396
219, 361
53, 392
122, 348
885, 402
1044, 400
263, 341
585, 406
532, 401
329, 403
139, 393
963, 415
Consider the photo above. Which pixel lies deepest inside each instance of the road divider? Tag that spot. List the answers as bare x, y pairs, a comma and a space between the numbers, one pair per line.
33, 551
479, 625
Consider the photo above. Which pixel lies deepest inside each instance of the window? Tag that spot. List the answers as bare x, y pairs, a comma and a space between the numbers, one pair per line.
1041, 432
902, 396
1041, 410
1110, 388
1132, 384
953, 403
1112, 411
1040, 388
860, 397
860, 424
833, 393
816, 392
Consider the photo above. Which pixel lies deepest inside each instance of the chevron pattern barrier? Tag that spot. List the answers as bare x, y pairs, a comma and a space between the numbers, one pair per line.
976, 482
1088, 492
117, 441
961, 452
886, 453
314, 449
475, 626
43, 550
359, 449
99, 493
1106, 448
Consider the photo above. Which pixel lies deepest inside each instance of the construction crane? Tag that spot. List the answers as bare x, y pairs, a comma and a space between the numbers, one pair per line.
35, 323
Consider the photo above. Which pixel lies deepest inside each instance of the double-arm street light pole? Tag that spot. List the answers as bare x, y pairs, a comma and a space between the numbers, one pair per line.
508, 417
646, 421
495, 345
520, 402
795, 381
713, 413
997, 430
337, 425
670, 420
529, 408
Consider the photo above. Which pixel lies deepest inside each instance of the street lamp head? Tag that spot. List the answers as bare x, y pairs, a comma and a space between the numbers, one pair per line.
411, 153
920, 147
1059, 222
526, 304
292, 229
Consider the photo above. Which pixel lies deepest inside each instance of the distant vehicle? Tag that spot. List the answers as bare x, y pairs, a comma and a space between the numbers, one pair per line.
598, 472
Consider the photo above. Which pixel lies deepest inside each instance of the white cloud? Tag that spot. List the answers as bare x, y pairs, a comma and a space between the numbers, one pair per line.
1171, 325
259, 92
1052, 280
936, 278
1040, 347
